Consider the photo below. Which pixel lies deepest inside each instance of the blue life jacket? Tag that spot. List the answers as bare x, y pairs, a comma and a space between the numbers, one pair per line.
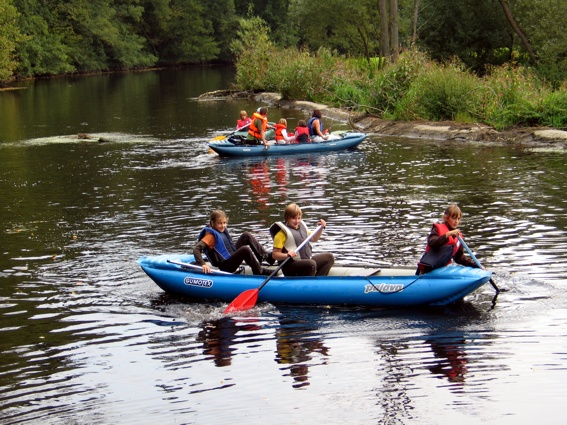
223, 249
312, 131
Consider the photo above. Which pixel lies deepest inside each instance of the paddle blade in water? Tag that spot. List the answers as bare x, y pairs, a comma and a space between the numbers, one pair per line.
244, 301
214, 139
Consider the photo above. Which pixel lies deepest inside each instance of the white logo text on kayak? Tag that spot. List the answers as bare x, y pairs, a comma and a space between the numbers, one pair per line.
203, 283
385, 288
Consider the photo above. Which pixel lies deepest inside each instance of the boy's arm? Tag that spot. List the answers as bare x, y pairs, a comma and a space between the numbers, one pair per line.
463, 259
434, 240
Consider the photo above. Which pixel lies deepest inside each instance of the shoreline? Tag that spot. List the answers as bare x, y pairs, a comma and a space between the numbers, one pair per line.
538, 137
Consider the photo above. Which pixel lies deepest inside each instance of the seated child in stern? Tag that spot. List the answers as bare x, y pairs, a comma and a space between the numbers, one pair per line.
443, 244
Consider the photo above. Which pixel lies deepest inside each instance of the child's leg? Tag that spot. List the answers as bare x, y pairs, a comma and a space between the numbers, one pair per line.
246, 239
300, 268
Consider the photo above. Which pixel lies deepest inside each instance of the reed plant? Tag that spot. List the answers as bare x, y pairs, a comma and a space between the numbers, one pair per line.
516, 96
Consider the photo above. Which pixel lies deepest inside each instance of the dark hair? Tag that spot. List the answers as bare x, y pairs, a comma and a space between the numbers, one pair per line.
316, 113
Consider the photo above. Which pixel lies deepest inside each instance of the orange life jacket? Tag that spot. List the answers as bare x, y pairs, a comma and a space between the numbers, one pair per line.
279, 130
442, 228
253, 130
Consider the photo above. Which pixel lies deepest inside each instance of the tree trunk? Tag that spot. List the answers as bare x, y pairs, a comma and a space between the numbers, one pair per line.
394, 44
414, 22
517, 29
384, 36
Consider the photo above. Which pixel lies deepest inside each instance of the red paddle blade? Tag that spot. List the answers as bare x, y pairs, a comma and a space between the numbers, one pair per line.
244, 301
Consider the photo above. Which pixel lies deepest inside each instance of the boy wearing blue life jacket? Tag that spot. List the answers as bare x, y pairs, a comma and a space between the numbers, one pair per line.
222, 252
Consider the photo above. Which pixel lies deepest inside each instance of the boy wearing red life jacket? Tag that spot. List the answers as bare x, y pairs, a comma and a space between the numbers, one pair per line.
443, 244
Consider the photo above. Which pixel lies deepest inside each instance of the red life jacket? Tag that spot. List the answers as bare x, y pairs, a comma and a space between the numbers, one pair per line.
256, 132
302, 135
279, 130
242, 123
441, 256
442, 228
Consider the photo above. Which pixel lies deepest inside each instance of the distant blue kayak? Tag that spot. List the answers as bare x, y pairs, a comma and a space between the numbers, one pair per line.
234, 147
345, 285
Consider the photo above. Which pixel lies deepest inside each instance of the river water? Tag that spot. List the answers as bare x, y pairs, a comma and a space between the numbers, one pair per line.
87, 337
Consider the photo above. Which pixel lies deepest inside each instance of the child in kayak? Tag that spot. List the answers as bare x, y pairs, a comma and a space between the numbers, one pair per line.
243, 121
443, 245
288, 235
222, 252
282, 137
302, 132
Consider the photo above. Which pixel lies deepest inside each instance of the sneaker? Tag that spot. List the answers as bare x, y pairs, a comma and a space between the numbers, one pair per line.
269, 259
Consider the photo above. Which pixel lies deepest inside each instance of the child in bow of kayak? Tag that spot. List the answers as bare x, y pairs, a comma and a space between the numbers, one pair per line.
443, 245
243, 121
222, 252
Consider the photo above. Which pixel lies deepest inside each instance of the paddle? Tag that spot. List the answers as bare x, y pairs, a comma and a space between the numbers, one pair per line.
247, 299
194, 266
215, 139
477, 262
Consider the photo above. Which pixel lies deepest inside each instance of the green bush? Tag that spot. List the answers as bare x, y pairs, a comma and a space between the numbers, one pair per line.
390, 86
441, 92
554, 110
512, 96
414, 88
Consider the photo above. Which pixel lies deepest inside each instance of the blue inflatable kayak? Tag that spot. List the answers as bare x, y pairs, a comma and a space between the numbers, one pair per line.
236, 147
344, 286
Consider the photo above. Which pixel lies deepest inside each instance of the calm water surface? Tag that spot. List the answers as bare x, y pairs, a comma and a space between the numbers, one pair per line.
86, 337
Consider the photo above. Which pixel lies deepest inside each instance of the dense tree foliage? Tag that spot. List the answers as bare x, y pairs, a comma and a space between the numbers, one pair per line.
473, 30
8, 38
44, 37
545, 22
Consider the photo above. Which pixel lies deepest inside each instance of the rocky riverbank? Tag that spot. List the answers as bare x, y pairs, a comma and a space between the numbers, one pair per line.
534, 137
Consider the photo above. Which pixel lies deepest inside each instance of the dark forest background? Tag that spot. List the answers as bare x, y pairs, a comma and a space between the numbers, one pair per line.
53, 37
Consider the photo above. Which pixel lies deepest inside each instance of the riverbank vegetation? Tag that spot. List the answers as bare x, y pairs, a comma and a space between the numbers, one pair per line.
503, 62
415, 87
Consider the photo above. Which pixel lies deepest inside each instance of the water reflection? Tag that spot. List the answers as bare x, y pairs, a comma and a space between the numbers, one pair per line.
451, 358
297, 346
297, 343
394, 393
218, 338
260, 185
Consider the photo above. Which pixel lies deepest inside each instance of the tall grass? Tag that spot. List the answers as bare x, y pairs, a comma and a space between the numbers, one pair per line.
414, 88
441, 92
